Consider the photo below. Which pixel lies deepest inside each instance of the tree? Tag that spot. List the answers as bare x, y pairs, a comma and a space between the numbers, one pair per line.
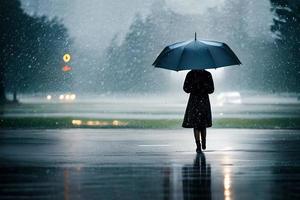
32, 50
229, 25
11, 16
128, 65
286, 29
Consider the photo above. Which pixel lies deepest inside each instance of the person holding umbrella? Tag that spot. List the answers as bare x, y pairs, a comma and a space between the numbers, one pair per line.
197, 55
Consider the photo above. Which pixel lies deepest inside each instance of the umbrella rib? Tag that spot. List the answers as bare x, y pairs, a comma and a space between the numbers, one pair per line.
163, 53
229, 50
180, 59
211, 55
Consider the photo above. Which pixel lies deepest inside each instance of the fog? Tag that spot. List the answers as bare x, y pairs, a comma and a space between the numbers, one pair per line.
95, 25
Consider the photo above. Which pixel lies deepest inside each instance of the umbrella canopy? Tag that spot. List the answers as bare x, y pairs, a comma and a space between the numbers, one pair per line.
196, 54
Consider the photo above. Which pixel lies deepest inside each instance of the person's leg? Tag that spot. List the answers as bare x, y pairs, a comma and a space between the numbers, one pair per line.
197, 139
197, 134
203, 138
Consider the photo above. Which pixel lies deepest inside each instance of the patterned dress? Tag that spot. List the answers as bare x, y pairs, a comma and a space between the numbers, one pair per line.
199, 84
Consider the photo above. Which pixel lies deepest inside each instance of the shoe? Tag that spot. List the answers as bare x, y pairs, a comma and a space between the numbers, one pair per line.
198, 150
204, 144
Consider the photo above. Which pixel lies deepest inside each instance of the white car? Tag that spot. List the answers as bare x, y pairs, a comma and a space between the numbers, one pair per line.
229, 98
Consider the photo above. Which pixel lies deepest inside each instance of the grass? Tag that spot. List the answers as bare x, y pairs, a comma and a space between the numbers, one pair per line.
67, 122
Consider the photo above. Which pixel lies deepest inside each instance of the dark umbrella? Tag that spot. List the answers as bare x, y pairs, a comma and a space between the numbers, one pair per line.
196, 54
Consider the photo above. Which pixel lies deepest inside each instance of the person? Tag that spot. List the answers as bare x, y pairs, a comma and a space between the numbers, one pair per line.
199, 84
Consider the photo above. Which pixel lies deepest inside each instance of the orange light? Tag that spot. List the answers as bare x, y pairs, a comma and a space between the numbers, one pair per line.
67, 68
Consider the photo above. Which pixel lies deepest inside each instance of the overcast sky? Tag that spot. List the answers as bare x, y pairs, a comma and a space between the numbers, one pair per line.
93, 23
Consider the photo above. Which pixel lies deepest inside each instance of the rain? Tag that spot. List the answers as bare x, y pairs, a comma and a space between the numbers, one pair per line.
112, 55
78, 80
96, 29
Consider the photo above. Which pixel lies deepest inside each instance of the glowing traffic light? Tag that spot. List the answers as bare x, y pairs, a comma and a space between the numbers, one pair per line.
67, 58
66, 68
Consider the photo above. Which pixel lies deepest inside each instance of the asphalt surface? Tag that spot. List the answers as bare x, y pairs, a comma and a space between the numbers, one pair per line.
149, 164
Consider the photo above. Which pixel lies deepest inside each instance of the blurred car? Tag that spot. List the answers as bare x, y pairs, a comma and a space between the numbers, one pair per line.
67, 97
229, 98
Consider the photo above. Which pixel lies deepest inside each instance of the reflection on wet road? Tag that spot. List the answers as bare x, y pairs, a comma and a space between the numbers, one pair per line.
149, 164
197, 179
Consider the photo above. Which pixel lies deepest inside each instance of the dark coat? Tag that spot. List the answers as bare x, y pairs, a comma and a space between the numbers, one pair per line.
199, 84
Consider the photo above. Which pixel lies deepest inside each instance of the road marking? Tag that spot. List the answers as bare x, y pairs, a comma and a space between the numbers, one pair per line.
153, 145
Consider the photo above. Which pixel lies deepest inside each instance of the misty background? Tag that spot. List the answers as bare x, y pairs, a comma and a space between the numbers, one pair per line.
115, 42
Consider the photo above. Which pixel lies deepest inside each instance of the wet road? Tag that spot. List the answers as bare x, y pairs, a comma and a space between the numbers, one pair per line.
149, 164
